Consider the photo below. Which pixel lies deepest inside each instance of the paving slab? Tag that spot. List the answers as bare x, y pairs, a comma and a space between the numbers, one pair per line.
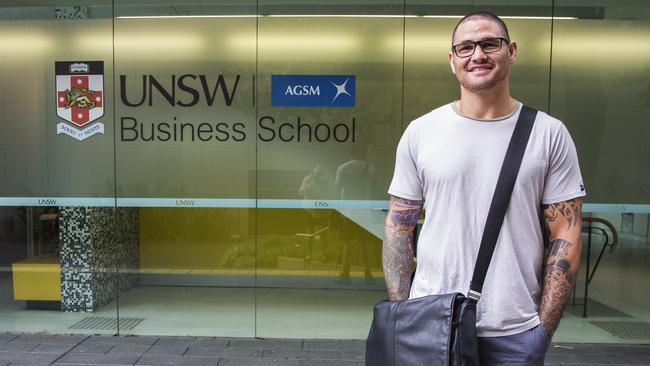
143, 341
90, 364
335, 345
128, 349
224, 352
598, 354
211, 342
353, 355
49, 338
178, 361
94, 359
6, 337
90, 347
205, 352
28, 363
242, 352
26, 357
193, 342
331, 363
270, 343
302, 354
59, 348
257, 362
166, 351
18, 347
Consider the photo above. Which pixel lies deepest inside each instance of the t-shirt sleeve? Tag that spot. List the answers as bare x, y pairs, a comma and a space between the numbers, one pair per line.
406, 181
563, 178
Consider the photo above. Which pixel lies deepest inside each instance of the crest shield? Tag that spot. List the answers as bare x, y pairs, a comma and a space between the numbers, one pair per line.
80, 97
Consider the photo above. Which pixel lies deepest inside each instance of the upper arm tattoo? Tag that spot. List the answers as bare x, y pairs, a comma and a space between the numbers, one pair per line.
570, 210
405, 212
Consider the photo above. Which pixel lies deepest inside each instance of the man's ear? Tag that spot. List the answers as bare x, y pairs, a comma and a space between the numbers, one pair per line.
451, 64
512, 52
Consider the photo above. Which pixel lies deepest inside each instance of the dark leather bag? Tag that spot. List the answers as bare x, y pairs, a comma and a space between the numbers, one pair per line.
430, 330
441, 329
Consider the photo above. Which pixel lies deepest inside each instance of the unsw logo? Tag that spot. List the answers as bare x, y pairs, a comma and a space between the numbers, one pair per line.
313, 90
79, 98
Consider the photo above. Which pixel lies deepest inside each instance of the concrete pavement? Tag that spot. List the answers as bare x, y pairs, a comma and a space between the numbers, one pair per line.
74, 350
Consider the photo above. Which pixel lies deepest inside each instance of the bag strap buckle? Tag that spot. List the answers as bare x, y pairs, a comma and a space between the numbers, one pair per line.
474, 295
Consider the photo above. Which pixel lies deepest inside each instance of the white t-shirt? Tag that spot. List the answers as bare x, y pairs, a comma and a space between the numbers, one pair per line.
452, 162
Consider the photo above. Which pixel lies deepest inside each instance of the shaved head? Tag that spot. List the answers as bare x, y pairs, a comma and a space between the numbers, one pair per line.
482, 15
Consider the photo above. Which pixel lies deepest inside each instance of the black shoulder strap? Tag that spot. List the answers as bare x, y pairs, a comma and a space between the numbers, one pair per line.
501, 198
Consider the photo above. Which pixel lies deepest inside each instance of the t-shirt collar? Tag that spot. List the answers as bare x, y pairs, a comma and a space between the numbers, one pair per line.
510, 114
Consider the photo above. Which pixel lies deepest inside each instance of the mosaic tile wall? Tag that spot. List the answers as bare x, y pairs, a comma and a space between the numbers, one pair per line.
129, 254
71, 12
114, 245
94, 242
103, 260
76, 256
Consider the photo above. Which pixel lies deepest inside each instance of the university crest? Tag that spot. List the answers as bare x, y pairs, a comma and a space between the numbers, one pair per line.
80, 98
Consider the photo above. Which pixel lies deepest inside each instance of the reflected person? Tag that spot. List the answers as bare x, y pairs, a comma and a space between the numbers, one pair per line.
355, 180
317, 185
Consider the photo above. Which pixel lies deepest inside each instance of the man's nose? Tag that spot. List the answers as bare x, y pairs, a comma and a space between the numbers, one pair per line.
478, 53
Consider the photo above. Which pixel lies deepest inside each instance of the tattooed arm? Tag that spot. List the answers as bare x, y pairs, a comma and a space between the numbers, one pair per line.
563, 223
397, 255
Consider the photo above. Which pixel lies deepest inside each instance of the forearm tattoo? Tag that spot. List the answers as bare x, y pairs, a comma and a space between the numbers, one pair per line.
567, 210
558, 259
559, 279
397, 255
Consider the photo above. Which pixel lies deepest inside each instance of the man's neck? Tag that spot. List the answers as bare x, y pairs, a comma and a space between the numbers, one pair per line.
485, 106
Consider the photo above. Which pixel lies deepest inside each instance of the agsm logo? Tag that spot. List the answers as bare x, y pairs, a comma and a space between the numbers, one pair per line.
313, 90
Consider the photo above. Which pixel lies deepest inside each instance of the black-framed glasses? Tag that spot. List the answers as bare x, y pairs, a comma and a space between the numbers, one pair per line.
488, 45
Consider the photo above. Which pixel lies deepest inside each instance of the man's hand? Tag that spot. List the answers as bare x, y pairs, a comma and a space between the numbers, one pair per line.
397, 255
563, 222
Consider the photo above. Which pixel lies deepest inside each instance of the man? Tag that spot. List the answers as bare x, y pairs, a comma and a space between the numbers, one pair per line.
448, 162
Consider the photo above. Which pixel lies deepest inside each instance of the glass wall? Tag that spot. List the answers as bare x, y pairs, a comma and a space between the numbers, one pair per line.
322, 165
57, 252
185, 160
604, 97
219, 168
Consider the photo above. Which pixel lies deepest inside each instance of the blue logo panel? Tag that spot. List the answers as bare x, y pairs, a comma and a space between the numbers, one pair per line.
313, 90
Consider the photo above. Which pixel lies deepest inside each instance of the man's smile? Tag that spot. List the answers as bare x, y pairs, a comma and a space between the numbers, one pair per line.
479, 68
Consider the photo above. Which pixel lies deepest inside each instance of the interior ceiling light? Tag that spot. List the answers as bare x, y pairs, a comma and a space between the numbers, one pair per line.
183, 16
538, 18
503, 17
342, 16
333, 16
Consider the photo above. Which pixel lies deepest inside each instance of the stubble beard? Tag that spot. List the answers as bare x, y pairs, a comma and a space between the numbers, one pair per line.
486, 85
